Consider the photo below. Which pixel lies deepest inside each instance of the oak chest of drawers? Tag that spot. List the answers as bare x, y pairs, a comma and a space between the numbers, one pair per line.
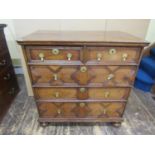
81, 76
8, 82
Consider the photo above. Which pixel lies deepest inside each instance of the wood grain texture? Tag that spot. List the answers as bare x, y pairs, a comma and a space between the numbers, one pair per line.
75, 93
123, 75
22, 118
84, 69
81, 37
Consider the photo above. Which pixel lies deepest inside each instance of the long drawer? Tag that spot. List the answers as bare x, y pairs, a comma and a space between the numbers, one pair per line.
83, 75
81, 93
81, 110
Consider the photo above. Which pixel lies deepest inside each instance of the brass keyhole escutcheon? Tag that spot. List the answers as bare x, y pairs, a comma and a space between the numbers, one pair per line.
55, 51
83, 69
112, 51
99, 56
69, 56
110, 76
82, 104
82, 90
41, 56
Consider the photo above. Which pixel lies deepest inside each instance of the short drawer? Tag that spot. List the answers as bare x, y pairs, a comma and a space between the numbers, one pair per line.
113, 54
83, 75
81, 93
44, 53
81, 110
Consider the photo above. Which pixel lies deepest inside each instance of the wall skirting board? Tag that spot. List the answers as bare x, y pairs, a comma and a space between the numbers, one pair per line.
17, 66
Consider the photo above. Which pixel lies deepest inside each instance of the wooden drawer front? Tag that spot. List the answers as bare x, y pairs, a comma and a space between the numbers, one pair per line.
7, 77
80, 110
82, 93
4, 60
113, 54
106, 75
53, 53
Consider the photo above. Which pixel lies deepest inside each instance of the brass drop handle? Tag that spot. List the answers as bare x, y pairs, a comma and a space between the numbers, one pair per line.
110, 76
59, 111
99, 56
7, 77
107, 94
82, 90
104, 111
55, 76
124, 56
12, 91
41, 56
57, 94
69, 56
55, 51
83, 69
3, 63
112, 51
82, 104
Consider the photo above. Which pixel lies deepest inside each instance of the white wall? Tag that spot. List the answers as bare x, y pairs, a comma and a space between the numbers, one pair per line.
18, 28
136, 27
151, 32
10, 36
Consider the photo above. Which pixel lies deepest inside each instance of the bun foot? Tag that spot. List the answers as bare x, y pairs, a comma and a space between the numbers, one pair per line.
116, 124
43, 124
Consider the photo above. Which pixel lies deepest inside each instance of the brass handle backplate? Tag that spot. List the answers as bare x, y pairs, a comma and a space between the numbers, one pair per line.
82, 90
124, 56
82, 104
107, 94
104, 111
69, 56
112, 51
41, 56
99, 56
110, 76
83, 69
57, 94
55, 51
55, 76
59, 111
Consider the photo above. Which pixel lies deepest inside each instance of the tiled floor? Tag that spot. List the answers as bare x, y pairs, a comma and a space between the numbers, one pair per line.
139, 118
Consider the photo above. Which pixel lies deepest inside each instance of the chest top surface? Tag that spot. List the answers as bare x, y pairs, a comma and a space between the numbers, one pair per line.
81, 37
